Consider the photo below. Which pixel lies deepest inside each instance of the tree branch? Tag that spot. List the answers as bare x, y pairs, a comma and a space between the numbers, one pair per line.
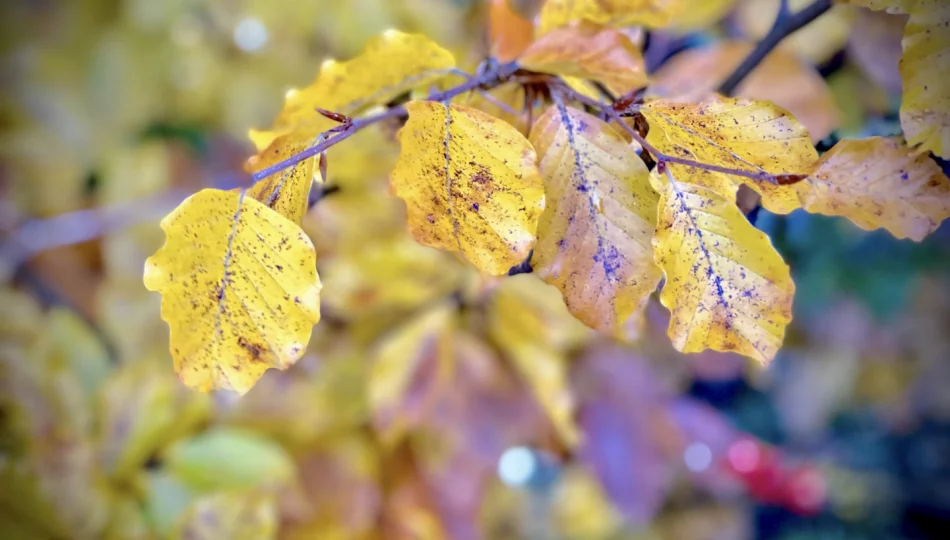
489, 79
786, 23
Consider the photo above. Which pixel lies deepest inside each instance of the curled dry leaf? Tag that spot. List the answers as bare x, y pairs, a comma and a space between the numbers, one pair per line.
738, 133
781, 78
390, 65
510, 32
878, 182
239, 287
594, 235
588, 51
726, 287
616, 13
470, 183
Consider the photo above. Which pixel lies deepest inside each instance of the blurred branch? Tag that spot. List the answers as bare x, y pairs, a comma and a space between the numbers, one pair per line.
786, 23
38, 235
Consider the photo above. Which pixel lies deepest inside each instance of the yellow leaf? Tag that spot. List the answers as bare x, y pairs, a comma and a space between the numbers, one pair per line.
239, 287
726, 287
617, 13
781, 78
739, 133
238, 515
510, 32
470, 183
530, 324
594, 235
589, 51
387, 277
878, 182
699, 14
419, 350
925, 107
390, 65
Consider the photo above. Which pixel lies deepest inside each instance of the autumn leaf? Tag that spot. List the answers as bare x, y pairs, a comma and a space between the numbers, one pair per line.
390, 64
405, 369
594, 235
726, 287
744, 134
529, 323
241, 515
510, 32
239, 287
616, 13
781, 78
388, 277
588, 51
878, 182
700, 14
470, 184
925, 107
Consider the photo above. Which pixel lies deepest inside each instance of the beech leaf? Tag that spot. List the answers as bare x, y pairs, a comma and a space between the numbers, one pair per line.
510, 32
389, 65
616, 13
589, 51
239, 287
470, 183
781, 78
594, 235
744, 134
878, 182
726, 287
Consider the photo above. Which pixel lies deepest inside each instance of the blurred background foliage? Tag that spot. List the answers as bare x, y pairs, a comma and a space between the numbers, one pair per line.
433, 403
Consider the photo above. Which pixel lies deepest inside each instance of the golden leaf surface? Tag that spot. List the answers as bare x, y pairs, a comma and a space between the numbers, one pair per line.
700, 14
617, 13
738, 133
588, 51
389, 65
925, 106
726, 287
878, 182
594, 235
781, 78
239, 287
470, 184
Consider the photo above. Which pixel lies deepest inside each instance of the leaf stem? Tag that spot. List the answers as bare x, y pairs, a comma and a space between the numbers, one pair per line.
786, 23
489, 79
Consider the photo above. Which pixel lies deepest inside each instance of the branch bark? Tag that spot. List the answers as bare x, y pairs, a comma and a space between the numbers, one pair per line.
786, 23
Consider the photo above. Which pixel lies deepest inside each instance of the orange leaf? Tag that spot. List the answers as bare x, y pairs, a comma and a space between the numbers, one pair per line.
589, 51
510, 33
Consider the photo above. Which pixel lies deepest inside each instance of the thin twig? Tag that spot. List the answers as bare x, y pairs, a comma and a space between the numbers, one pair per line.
489, 79
658, 156
786, 23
